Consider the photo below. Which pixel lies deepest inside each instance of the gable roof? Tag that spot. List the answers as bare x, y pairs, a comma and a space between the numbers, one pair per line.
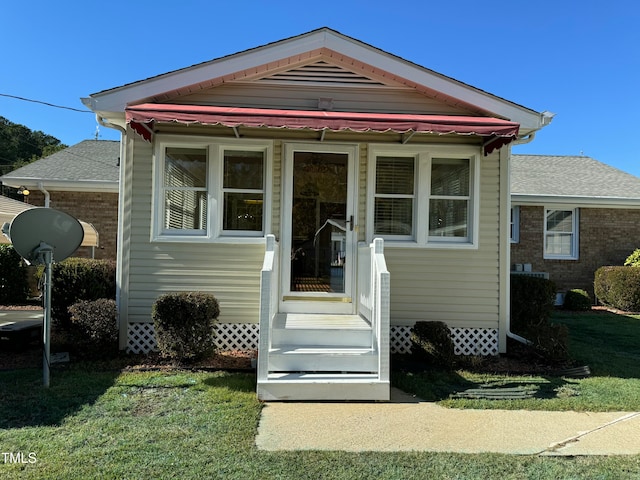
570, 180
91, 165
320, 55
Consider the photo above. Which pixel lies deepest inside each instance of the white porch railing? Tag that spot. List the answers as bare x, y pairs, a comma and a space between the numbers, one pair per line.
268, 303
374, 290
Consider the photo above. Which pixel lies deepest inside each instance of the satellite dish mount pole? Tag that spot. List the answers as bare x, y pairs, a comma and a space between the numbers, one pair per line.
44, 254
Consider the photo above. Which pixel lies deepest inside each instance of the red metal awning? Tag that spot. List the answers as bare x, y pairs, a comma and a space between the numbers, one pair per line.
498, 132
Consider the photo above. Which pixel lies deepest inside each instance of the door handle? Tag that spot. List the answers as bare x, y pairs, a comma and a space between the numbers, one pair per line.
350, 222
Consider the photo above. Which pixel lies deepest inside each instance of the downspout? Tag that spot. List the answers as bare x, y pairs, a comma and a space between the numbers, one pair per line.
122, 327
545, 119
47, 197
509, 333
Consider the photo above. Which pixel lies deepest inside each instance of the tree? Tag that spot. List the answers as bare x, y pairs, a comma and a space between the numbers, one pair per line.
19, 145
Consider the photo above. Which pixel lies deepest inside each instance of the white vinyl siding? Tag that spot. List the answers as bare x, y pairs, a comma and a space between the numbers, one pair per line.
230, 271
460, 287
296, 97
561, 233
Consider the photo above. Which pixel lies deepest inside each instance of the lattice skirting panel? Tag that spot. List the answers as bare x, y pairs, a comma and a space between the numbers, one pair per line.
466, 341
244, 336
229, 336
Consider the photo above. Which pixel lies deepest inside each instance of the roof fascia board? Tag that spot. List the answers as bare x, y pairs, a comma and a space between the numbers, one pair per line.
61, 185
575, 201
115, 100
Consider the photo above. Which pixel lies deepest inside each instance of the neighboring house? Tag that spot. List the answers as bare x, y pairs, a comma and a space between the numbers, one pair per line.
265, 176
81, 180
570, 216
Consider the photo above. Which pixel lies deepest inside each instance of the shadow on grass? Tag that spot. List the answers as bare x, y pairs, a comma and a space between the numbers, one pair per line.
609, 343
25, 402
237, 382
434, 384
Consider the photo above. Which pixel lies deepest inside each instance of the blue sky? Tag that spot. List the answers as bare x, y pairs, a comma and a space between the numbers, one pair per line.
580, 60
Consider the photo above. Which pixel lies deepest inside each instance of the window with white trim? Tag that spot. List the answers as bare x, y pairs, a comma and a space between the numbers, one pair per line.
425, 196
184, 189
514, 224
394, 197
206, 189
561, 233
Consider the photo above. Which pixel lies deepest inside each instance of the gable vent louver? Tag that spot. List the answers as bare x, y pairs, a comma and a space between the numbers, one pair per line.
320, 73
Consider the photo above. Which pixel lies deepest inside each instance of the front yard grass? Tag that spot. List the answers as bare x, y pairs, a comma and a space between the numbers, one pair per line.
94, 423
608, 343
202, 425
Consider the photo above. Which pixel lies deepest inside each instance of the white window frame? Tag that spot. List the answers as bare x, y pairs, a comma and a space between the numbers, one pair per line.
575, 223
514, 224
215, 148
424, 155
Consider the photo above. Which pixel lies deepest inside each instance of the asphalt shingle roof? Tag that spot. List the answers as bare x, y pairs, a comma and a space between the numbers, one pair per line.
89, 160
575, 176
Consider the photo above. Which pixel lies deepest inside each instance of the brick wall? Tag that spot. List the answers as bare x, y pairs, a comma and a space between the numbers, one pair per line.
99, 209
606, 237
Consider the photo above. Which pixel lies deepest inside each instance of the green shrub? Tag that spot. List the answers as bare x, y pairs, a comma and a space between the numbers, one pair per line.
76, 279
431, 343
532, 301
183, 324
552, 341
618, 287
633, 260
577, 300
14, 286
96, 323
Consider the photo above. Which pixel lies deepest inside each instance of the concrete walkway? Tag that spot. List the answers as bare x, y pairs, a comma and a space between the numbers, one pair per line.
409, 424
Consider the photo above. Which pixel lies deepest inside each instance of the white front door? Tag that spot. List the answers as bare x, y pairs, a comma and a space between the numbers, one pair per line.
318, 236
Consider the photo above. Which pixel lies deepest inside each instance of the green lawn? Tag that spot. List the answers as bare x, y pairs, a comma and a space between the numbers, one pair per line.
183, 425
607, 343
202, 425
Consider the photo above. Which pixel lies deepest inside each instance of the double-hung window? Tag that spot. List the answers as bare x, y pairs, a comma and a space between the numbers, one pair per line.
425, 196
450, 199
394, 197
184, 190
207, 190
561, 233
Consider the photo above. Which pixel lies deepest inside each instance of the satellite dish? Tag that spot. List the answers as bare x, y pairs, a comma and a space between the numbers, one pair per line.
31, 228
40, 236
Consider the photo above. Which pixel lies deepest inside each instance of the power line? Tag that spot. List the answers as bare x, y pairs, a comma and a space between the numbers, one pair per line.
44, 103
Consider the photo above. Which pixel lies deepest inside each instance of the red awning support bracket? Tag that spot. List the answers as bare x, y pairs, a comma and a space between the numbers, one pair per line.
498, 132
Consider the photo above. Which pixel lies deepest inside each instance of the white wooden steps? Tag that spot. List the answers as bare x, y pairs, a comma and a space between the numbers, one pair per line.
322, 357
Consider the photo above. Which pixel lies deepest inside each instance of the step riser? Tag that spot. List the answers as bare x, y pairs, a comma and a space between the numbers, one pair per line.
310, 337
322, 363
274, 390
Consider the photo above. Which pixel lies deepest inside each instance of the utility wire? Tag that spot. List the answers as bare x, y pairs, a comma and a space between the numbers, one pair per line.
44, 103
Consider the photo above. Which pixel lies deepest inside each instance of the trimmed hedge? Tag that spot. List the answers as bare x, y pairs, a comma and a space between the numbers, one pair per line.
183, 324
96, 322
431, 343
577, 300
14, 286
618, 287
76, 279
532, 301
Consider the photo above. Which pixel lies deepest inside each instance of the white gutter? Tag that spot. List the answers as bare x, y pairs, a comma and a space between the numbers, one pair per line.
46, 194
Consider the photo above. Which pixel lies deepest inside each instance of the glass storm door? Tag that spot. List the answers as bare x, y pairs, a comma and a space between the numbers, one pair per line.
318, 229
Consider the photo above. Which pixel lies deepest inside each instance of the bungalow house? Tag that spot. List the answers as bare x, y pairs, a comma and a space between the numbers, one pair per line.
570, 216
330, 194
81, 180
